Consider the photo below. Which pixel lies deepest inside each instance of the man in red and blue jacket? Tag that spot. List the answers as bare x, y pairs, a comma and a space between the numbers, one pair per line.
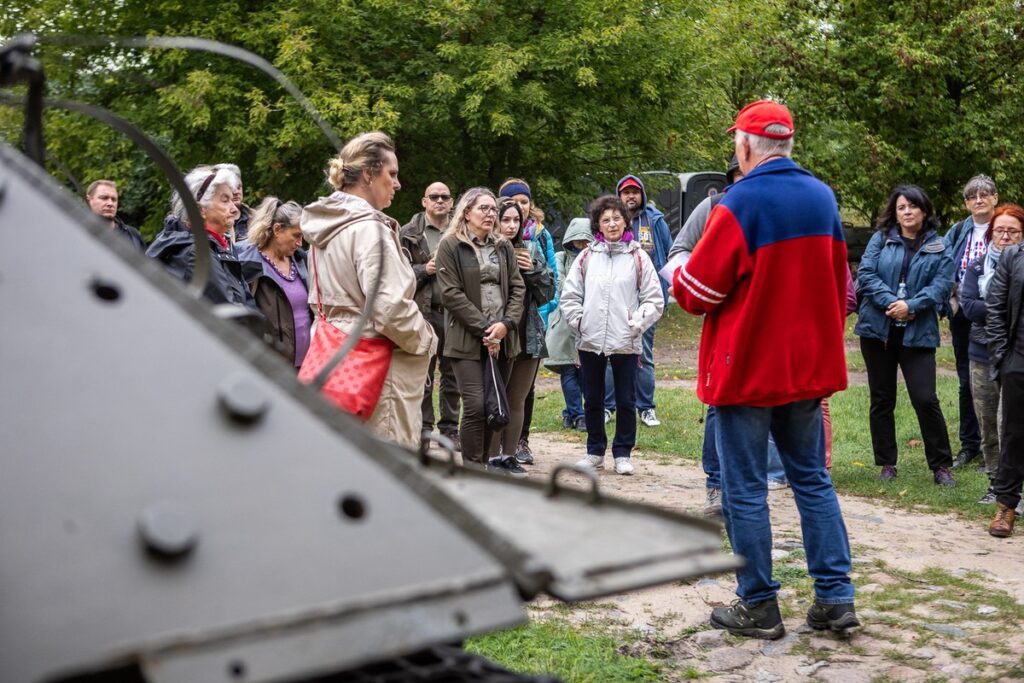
770, 276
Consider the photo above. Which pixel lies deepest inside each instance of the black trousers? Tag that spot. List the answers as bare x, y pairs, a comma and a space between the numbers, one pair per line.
448, 392
624, 370
479, 442
918, 366
970, 431
1011, 447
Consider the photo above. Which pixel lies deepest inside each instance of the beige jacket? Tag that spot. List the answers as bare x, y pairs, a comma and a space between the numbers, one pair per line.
347, 235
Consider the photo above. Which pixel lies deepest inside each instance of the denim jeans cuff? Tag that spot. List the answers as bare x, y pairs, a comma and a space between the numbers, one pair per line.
833, 601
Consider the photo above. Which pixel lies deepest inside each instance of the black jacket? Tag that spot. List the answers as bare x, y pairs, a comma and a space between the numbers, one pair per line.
270, 298
129, 233
1003, 302
174, 248
973, 306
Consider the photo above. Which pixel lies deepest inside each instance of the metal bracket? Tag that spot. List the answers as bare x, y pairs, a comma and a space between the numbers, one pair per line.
593, 497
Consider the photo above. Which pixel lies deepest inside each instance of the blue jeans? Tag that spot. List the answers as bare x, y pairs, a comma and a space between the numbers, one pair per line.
644, 377
592, 369
572, 392
742, 432
709, 455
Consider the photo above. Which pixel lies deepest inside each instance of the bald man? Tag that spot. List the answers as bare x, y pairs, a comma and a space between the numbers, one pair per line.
420, 237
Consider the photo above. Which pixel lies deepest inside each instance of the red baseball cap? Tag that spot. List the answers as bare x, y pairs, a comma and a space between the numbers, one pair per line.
630, 182
757, 116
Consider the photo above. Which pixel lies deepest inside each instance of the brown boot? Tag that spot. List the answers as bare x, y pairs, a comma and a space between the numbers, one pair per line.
1002, 525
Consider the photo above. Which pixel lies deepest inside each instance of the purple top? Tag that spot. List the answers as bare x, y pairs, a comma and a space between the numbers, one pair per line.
298, 297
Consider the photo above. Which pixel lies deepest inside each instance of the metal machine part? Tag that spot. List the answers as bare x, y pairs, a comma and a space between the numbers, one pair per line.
172, 499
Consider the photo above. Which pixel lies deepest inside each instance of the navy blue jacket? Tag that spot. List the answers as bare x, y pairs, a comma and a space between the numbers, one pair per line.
973, 306
929, 283
174, 249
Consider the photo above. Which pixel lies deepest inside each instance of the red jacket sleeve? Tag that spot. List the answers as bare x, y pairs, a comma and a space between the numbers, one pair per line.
720, 260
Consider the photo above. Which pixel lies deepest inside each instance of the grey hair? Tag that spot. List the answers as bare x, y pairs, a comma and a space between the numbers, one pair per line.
195, 179
979, 183
766, 147
271, 211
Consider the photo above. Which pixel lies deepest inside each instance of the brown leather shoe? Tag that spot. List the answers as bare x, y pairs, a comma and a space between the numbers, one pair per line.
1002, 525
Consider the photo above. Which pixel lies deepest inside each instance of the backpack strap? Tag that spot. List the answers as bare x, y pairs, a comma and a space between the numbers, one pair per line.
582, 258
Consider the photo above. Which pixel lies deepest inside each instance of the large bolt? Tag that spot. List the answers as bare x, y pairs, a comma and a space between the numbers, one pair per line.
242, 398
168, 530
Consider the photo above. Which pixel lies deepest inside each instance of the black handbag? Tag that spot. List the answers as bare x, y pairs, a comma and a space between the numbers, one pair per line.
495, 397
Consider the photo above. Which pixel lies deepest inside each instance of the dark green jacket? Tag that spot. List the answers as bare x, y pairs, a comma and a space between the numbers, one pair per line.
459, 275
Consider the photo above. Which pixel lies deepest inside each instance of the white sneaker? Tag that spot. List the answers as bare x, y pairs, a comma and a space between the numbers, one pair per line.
623, 466
649, 418
592, 462
607, 416
777, 484
713, 503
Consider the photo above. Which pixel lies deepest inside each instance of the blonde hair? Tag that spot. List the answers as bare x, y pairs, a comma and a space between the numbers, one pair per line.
535, 212
459, 227
365, 152
271, 211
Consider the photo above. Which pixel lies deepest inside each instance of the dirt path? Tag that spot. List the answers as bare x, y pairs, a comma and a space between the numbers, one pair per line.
924, 592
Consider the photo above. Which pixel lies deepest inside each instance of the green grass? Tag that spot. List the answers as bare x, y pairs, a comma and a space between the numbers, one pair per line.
581, 653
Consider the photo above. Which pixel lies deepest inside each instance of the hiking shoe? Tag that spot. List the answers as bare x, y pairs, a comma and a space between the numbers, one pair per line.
580, 424
752, 621
888, 473
507, 465
713, 503
1002, 525
593, 462
649, 418
454, 437
567, 422
988, 498
963, 457
607, 416
776, 484
523, 452
943, 477
841, 617
623, 466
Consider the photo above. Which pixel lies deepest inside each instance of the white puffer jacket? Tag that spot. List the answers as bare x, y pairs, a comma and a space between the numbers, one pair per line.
608, 311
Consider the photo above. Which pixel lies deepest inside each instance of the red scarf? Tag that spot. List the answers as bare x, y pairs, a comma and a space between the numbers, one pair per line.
221, 240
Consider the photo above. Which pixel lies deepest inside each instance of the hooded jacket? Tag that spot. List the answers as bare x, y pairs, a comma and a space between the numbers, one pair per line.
541, 236
174, 248
929, 281
604, 305
770, 274
540, 289
651, 231
561, 339
348, 235
271, 299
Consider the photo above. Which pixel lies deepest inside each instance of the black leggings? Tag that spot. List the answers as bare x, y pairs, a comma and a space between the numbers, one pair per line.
1011, 448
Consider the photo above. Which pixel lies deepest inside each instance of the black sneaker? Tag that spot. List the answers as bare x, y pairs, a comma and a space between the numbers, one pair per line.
943, 477
581, 424
567, 422
963, 457
506, 465
523, 453
840, 617
752, 621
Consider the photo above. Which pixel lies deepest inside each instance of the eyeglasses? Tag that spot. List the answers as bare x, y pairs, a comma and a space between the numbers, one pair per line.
439, 197
487, 209
1007, 233
977, 195
611, 221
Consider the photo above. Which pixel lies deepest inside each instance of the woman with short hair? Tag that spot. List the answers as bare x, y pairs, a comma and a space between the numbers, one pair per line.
483, 292
904, 278
274, 264
611, 296
174, 247
353, 245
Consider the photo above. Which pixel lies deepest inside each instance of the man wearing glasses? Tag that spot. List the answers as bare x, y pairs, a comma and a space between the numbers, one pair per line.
420, 237
967, 240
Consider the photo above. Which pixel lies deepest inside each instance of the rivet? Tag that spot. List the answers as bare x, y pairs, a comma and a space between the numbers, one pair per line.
242, 398
168, 530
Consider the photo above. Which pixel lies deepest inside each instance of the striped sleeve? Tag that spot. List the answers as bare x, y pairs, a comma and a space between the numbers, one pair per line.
718, 262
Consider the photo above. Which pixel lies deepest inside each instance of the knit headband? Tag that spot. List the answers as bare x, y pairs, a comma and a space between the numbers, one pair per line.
512, 189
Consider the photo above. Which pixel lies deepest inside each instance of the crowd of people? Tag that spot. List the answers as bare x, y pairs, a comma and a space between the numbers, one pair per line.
473, 298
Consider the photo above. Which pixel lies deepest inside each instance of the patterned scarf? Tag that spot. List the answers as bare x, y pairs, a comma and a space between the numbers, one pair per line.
991, 261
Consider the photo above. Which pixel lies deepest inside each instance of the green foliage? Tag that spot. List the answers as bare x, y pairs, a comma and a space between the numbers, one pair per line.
567, 94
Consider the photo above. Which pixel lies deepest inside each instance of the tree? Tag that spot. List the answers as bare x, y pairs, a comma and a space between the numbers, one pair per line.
569, 94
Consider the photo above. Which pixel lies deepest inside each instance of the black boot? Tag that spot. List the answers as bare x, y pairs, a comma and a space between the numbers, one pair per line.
839, 617
753, 621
